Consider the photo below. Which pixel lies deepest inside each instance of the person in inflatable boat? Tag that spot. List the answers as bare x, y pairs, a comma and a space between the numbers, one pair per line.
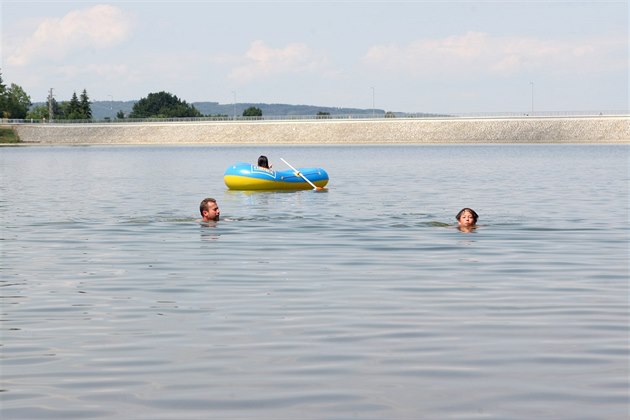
263, 162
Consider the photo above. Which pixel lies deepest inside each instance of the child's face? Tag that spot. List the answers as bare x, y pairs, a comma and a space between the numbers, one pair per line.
466, 219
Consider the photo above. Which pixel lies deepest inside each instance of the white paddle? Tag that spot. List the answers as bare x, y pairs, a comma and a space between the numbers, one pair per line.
315, 187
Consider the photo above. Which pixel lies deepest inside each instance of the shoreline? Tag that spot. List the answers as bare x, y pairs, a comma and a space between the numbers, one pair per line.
520, 130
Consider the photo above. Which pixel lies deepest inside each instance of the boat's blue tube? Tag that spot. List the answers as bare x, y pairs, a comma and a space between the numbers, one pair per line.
245, 176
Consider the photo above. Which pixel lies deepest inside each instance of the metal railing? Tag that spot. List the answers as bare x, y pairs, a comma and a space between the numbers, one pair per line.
382, 116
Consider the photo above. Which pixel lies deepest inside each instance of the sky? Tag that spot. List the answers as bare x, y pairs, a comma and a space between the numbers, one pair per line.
400, 56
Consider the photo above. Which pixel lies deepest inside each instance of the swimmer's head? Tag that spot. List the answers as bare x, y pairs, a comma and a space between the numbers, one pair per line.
209, 209
467, 217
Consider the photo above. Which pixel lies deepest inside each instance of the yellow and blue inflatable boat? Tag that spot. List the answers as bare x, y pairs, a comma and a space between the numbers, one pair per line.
245, 176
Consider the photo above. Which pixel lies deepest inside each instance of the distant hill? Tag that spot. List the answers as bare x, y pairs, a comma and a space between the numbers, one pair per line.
108, 109
275, 110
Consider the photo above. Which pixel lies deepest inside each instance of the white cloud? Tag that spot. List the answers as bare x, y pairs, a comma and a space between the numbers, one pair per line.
477, 53
101, 26
262, 61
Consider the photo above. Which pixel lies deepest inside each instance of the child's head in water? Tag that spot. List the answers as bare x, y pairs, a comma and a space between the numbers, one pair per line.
467, 217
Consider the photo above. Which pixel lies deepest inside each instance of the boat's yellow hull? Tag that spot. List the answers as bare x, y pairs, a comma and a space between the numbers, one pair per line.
235, 182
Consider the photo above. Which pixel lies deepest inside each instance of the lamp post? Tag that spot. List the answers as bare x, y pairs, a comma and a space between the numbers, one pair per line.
50, 105
532, 84
234, 104
111, 103
373, 109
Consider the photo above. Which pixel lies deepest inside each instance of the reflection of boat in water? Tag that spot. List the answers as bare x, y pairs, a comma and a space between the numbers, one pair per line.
245, 176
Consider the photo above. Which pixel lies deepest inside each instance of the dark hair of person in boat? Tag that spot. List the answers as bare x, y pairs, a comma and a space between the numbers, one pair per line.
263, 162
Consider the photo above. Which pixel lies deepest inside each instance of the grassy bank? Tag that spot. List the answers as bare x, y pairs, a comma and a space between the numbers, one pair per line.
8, 135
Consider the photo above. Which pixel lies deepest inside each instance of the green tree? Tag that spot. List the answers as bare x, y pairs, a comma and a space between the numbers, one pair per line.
78, 108
252, 111
16, 102
72, 109
57, 109
163, 105
120, 115
323, 114
84, 105
3, 97
38, 112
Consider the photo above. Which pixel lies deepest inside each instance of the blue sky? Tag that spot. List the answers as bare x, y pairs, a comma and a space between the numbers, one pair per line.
409, 56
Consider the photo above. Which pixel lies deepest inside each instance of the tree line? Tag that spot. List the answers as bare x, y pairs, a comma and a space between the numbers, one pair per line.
16, 104
166, 105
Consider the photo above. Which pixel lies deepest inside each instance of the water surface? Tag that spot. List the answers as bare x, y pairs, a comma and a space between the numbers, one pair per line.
363, 301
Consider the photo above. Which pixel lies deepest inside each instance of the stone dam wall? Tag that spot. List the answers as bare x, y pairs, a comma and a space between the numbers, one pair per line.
602, 129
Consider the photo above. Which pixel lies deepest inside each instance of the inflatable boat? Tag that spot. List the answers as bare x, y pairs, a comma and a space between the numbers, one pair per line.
245, 176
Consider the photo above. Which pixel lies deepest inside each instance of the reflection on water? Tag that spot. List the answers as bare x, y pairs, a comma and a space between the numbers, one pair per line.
362, 302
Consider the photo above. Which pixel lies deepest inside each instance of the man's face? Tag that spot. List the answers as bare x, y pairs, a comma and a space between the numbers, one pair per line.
211, 212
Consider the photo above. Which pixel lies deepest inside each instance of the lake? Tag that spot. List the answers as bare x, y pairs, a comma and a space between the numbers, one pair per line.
361, 301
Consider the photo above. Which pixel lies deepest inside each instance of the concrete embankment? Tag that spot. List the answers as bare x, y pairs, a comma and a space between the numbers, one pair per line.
612, 129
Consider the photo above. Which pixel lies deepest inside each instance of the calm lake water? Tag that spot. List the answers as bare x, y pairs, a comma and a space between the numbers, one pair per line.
359, 302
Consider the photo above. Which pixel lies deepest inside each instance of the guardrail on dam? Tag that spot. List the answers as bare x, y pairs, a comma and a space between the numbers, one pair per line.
596, 129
